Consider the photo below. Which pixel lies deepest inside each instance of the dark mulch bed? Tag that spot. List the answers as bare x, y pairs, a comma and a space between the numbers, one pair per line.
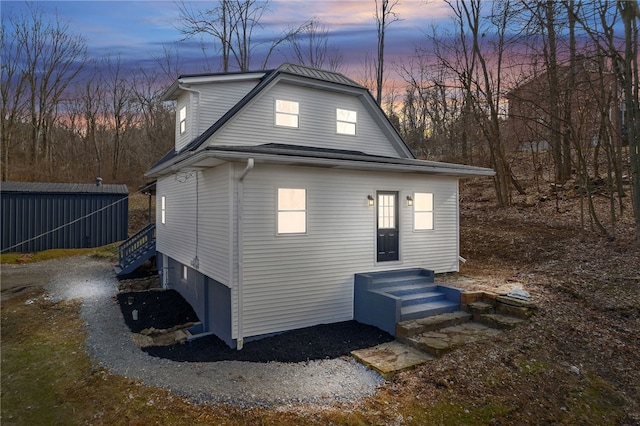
160, 309
165, 309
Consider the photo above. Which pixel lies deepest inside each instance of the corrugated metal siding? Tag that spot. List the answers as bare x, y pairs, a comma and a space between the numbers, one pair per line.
296, 281
317, 124
84, 220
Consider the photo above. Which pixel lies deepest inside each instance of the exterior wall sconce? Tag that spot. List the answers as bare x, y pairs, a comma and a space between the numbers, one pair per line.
370, 200
409, 200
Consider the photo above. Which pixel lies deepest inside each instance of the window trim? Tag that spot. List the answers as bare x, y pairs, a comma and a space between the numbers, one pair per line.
279, 211
353, 123
417, 212
182, 120
287, 114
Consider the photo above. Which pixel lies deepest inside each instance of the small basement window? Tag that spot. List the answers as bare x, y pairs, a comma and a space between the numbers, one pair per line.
287, 113
423, 211
346, 121
163, 209
183, 119
292, 211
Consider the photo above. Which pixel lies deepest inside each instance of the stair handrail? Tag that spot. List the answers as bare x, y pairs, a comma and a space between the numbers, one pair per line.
144, 238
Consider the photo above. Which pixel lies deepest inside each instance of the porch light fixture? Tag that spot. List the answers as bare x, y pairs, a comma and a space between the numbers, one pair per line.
409, 200
370, 200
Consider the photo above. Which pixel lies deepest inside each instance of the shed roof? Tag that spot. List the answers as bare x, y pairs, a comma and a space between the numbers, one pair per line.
62, 188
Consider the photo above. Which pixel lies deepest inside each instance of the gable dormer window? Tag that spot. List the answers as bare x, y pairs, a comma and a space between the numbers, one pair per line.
183, 119
346, 121
287, 113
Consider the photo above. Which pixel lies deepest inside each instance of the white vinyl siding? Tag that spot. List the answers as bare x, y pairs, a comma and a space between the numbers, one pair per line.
304, 280
218, 98
317, 123
177, 238
183, 136
207, 107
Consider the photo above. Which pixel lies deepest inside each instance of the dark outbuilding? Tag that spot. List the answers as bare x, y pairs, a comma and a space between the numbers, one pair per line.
39, 216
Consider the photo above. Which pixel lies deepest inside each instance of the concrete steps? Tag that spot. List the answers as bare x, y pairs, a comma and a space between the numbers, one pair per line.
385, 298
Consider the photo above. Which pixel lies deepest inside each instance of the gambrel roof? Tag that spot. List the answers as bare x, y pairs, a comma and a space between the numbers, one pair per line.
198, 153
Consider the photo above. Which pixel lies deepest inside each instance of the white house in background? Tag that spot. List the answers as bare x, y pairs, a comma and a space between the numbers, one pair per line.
282, 186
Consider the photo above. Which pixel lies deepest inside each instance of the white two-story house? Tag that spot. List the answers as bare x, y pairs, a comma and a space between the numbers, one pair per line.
282, 186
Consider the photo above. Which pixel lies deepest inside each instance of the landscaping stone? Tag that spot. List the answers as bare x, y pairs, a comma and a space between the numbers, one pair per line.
390, 358
444, 340
501, 322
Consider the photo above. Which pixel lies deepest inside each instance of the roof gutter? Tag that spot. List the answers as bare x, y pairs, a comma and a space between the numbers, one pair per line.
346, 162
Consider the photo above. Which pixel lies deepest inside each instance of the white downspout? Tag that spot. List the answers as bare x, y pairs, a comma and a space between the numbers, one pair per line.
240, 204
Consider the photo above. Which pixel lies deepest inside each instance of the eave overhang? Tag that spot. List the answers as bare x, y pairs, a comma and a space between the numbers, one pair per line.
300, 156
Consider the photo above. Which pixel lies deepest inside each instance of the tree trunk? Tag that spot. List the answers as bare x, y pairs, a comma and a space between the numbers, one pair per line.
629, 13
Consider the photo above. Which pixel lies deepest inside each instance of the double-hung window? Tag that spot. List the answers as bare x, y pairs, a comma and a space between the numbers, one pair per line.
423, 211
292, 211
346, 121
287, 113
182, 114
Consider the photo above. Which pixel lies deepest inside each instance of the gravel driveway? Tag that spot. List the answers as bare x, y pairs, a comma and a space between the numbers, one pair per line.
243, 384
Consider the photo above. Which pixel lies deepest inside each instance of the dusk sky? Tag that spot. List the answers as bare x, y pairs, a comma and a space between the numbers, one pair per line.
138, 30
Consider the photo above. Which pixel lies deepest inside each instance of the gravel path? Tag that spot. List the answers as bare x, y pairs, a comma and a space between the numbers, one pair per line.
238, 383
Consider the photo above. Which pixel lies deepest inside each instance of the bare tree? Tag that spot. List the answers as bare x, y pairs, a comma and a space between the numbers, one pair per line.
50, 58
157, 118
630, 17
93, 100
311, 47
368, 73
169, 63
385, 16
479, 65
232, 24
12, 88
430, 111
121, 109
